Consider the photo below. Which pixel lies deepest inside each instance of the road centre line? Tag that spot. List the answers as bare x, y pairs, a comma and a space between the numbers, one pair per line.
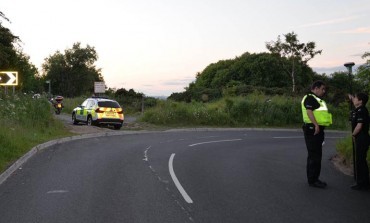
301, 137
146, 154
226, 140
288, 137
57, 191
176, 181
205, 137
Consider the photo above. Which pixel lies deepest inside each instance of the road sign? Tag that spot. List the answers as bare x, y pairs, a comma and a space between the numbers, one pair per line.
8, 78
99, 87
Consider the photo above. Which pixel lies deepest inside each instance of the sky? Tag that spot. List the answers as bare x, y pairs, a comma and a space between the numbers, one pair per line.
157, 47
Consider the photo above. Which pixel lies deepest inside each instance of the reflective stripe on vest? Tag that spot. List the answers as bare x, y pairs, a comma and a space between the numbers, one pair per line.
322, 116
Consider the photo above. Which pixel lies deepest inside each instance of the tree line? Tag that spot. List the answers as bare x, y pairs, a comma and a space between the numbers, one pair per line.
13, 58
282, 70
70, 73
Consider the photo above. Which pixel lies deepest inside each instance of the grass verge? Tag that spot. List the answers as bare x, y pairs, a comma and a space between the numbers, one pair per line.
25, 123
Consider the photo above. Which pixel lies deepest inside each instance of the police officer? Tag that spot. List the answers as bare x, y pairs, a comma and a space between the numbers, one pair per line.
360, 136
315, 117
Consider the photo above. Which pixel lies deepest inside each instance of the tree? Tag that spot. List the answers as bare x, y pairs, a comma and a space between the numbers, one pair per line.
28, 78
297, 53
363, 73
7, 49
72, 73
13, 58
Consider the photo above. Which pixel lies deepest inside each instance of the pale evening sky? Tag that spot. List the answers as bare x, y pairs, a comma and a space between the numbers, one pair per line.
157, 47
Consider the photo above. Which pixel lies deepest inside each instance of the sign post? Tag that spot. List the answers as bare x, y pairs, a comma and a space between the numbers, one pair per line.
49, 82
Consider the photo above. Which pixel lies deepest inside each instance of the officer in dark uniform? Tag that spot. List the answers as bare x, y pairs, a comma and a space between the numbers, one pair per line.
315, 117
360, 136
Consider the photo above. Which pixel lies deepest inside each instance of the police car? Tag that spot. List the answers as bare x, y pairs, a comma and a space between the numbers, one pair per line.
99, 111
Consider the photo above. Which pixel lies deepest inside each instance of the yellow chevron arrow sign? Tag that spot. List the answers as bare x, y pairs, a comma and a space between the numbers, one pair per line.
8, 78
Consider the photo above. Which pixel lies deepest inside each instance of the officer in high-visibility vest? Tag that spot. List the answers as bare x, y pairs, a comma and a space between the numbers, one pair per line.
315, 117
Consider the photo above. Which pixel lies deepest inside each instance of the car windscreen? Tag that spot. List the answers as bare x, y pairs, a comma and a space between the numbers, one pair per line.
108, 104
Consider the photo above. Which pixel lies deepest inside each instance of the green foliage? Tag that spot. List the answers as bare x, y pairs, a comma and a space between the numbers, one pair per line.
178, 113
252, 110
363, 74
182, 96
261, 110
28, 78
284, 66
242, 90
297, 53
72, 73
261, 69
344, 147
250, 72
25, 122
12, 58
7, 50
340, 115
71, 103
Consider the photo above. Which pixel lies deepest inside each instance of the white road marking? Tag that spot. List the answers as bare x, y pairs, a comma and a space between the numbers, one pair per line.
146, 154
205, 137
301, 137
288, 137
57, 191
176, 181
226, 140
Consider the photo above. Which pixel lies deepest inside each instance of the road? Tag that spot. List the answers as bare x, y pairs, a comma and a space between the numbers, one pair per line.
181, 176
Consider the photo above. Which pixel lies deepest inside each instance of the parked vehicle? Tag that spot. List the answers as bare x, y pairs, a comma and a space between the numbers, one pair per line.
99, 111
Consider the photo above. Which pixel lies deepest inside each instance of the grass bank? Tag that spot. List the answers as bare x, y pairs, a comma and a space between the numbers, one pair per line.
25, 122
254, 110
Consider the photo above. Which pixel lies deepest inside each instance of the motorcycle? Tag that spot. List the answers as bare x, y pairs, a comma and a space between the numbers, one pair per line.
58, 104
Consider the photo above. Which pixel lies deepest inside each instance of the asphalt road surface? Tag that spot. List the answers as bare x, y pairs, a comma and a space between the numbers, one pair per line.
186, 176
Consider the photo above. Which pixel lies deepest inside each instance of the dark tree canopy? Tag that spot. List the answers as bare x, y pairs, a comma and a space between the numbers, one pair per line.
12, 58
257, 71
73, 72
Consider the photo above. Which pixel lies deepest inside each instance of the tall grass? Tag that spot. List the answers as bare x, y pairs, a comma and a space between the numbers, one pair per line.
254, 110
344, 147
71, 103
25, 122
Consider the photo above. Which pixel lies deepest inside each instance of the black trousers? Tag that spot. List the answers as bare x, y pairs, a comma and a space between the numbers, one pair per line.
362, 169
314, 150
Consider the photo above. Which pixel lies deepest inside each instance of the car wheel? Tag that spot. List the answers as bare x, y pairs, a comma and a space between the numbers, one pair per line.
117, 127
75, 122
89, 121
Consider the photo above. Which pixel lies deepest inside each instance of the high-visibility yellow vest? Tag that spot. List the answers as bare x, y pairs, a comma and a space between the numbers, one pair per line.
322, 115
